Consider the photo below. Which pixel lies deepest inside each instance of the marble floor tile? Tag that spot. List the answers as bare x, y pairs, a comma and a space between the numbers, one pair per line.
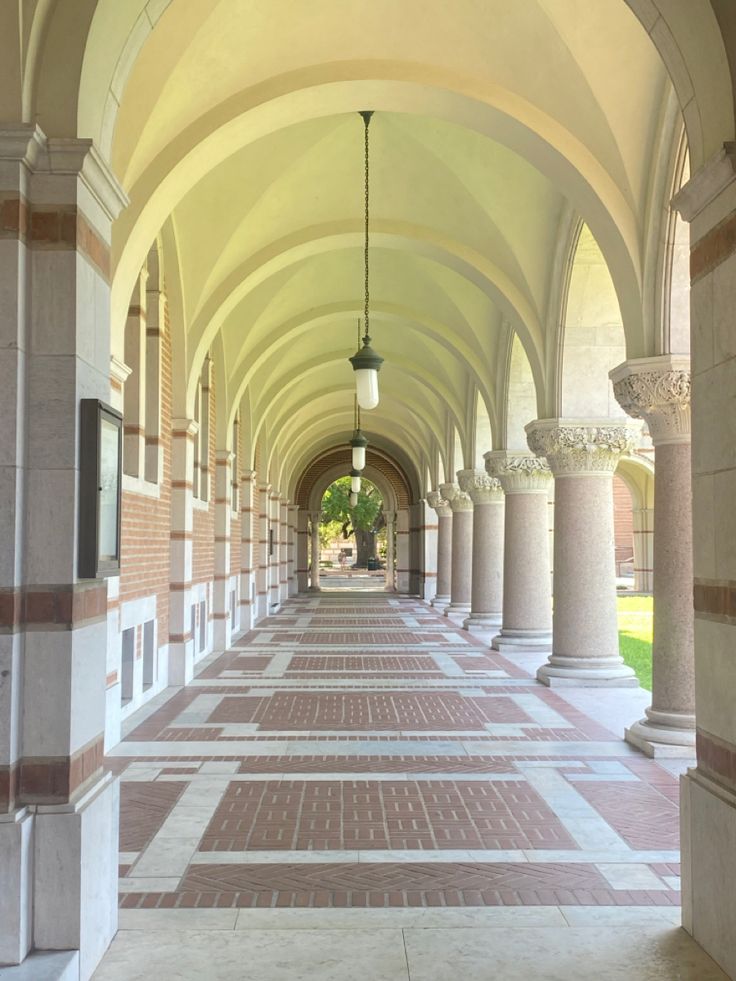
253, 955
656, 952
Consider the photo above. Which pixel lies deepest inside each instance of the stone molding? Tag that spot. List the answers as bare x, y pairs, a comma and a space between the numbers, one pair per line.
704, 186
480, 486
439, 504
458, 499
657, 390
580, 446
518, 473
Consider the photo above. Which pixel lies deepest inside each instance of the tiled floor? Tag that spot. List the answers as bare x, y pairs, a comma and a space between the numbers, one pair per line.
359, 769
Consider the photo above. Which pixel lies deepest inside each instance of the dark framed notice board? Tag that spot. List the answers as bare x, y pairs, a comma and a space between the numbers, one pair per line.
100, 489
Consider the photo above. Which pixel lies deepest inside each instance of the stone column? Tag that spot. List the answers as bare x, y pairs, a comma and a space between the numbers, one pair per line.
272, 550
221, 592
263, 566
283, 550
462, 548
444, 548
527, 594
181, 639
58, 806
401, 579
302, 551
658, 391
248, 520
486, 602
583, 455
390, 518
314, 584
427, 527
291, 551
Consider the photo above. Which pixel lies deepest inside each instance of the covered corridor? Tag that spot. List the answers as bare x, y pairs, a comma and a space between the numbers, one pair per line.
357, 763
218, 220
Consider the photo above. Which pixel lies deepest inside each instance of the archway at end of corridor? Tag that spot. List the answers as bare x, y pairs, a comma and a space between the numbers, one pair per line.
356, 538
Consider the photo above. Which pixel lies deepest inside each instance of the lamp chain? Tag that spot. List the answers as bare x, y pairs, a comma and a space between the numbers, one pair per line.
366, 119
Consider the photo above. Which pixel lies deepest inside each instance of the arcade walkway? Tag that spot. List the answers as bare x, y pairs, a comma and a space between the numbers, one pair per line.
359, 790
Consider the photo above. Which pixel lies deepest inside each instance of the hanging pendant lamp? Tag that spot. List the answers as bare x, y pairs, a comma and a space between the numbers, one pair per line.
366, 362
353, 499
355, 481
358, 442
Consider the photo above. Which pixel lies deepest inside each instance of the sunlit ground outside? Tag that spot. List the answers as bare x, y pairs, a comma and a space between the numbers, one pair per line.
635, 635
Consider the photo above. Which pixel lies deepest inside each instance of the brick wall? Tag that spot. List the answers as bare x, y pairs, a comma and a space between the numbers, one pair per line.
203, 553
146, 521
623, 520
235, 519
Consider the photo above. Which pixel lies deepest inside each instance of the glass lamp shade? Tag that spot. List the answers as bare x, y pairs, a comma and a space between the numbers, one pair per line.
366, 365
355, 481
358, 457
353, 499
366, 385
358, 443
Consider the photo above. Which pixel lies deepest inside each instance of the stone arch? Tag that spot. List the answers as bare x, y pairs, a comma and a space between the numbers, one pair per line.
593, 340
380, 469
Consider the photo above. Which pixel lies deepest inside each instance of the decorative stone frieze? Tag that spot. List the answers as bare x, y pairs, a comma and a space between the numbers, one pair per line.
518, 473
458, 499
480, 486
658, 391
580, 446
439, 504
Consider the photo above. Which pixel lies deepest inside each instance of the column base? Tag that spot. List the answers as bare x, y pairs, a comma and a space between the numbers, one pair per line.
510, 639
482, 624
586, 672
440, 601
76, 874
708, 822
16, 895
454, 609
663, 734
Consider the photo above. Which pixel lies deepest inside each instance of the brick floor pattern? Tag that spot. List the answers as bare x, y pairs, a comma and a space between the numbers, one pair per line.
403, 815
427, 802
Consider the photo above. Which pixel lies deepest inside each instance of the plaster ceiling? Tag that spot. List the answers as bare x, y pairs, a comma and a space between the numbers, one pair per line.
497, 125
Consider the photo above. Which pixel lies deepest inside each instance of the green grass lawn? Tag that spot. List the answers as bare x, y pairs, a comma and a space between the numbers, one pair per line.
635, 635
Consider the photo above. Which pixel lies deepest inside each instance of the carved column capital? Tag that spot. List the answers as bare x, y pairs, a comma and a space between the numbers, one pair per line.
518, 473
439, 504
480, 486
458, 499
656, 390
580, 446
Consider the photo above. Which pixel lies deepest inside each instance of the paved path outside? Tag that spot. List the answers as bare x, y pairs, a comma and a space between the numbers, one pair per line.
358, 789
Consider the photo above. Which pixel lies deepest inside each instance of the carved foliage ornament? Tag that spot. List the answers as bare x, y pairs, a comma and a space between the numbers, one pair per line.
662, 398
581, 449
481, 487
438, 503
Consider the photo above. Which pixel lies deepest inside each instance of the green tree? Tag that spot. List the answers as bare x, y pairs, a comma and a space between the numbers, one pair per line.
365, 520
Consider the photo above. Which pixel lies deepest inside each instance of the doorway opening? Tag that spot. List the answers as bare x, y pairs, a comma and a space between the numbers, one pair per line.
356, 552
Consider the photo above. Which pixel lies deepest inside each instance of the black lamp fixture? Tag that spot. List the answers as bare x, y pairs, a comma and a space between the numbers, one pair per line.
355, 481
366, 362
358, 442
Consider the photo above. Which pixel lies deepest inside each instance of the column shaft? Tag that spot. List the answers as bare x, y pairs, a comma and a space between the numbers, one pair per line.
390, 517
462, 548
527, 597
302, 551
315, 553
221, 593
658, 390
248, 520
582, 455
487, 562
444, 548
